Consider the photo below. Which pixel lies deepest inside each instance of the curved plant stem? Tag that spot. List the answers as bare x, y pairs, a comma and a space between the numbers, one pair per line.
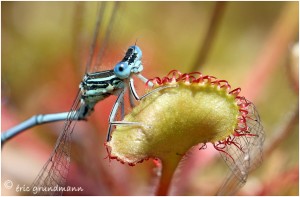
285, 181
77, 38
280, 37
284, 130
168, 169
210, 35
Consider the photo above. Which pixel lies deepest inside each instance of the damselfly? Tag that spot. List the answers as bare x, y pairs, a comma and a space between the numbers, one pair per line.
94, 87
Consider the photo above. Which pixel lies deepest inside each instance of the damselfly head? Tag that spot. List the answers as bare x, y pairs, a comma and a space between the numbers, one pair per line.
131, 63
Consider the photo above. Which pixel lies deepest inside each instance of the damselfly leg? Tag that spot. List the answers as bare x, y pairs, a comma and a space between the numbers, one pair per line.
119, 103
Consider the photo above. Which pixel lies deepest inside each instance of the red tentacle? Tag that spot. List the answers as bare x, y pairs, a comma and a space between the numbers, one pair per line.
204, 146
235, 92
223, 152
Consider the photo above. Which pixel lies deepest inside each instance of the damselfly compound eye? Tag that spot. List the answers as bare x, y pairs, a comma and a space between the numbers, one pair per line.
122, 70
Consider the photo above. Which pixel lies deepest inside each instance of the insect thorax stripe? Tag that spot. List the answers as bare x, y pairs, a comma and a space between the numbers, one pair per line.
101, 80
97, 80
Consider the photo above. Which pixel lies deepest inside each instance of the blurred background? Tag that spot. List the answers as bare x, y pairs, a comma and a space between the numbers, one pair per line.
252, 45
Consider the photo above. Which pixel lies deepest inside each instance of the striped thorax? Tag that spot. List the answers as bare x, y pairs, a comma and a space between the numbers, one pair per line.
99, 85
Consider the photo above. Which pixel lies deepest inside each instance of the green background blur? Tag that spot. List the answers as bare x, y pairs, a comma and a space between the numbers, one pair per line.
44, 50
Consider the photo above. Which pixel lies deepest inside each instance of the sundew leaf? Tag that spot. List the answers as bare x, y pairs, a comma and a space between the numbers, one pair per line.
191, 109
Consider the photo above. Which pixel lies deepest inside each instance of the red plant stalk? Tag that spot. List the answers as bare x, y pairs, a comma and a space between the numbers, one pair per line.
281, 37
